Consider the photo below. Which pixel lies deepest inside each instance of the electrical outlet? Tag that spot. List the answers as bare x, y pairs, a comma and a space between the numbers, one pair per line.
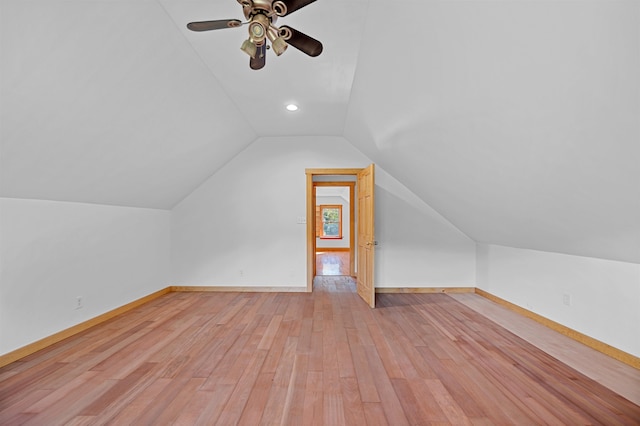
79, 302
566, 299
241, 272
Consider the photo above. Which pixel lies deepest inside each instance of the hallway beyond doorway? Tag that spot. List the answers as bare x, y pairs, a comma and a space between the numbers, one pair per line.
332, 262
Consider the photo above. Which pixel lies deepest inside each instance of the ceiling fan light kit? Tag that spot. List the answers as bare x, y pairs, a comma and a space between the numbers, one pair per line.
249, 48
278, 43
261, 16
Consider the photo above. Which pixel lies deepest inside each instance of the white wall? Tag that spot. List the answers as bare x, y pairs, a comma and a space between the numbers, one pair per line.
343, 242
236, 231
52, 252
604, 294
417, 247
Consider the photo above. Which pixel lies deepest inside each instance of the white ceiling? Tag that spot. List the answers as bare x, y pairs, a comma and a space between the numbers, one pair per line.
519, 121
333, 191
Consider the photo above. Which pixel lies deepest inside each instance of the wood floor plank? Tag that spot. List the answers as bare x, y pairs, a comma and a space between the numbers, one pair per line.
229, 366
340, 326
179, 403
353, 406
270, 333
196, 406
333, 412
447, 403
70, 388
277, 347
309, 358
119, 388
511, 411
69, 404
316, 349
405, 355
12, 388
431, 413
244, 385
283, 388
330, 367
385, 352
313, 407
129, 395
391, 405
366, 381
219, 347
295, 391
157, 406
410, 406
144, 398
218, 397
11, 412
81, 421
374, 414
257, 400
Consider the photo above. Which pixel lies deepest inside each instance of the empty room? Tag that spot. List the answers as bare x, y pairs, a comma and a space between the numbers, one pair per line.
326, 212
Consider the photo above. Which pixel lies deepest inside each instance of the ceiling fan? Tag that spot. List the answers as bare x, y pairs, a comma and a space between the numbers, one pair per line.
261, 16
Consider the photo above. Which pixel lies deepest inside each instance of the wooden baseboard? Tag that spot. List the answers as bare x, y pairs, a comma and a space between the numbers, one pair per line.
606, 349
61, 335
178, 288
425, 290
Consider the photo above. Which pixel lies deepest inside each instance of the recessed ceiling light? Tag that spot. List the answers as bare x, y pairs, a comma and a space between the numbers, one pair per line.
292, 107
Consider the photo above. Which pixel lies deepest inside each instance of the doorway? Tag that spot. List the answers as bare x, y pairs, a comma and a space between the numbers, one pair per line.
363, 243
334, 228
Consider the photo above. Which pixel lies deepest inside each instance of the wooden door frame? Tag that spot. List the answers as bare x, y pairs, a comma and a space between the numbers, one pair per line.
352, 220
311, 217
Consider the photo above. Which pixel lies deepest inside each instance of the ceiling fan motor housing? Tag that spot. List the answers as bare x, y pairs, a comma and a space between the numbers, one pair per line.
252, 8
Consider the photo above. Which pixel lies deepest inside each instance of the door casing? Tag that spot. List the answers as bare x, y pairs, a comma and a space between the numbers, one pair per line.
352, 220
310, 218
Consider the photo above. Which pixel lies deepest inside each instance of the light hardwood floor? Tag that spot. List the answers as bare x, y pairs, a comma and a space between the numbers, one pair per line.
310, 358
617, 376
331, 263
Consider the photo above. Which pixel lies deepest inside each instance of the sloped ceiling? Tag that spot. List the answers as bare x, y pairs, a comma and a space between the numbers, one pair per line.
519, 121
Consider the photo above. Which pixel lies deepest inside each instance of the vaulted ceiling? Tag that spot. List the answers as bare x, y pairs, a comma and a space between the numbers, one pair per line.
519, 121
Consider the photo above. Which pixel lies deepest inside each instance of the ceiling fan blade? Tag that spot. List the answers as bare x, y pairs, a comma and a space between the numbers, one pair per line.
214, 25
290, 6
301, 41
260, 59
